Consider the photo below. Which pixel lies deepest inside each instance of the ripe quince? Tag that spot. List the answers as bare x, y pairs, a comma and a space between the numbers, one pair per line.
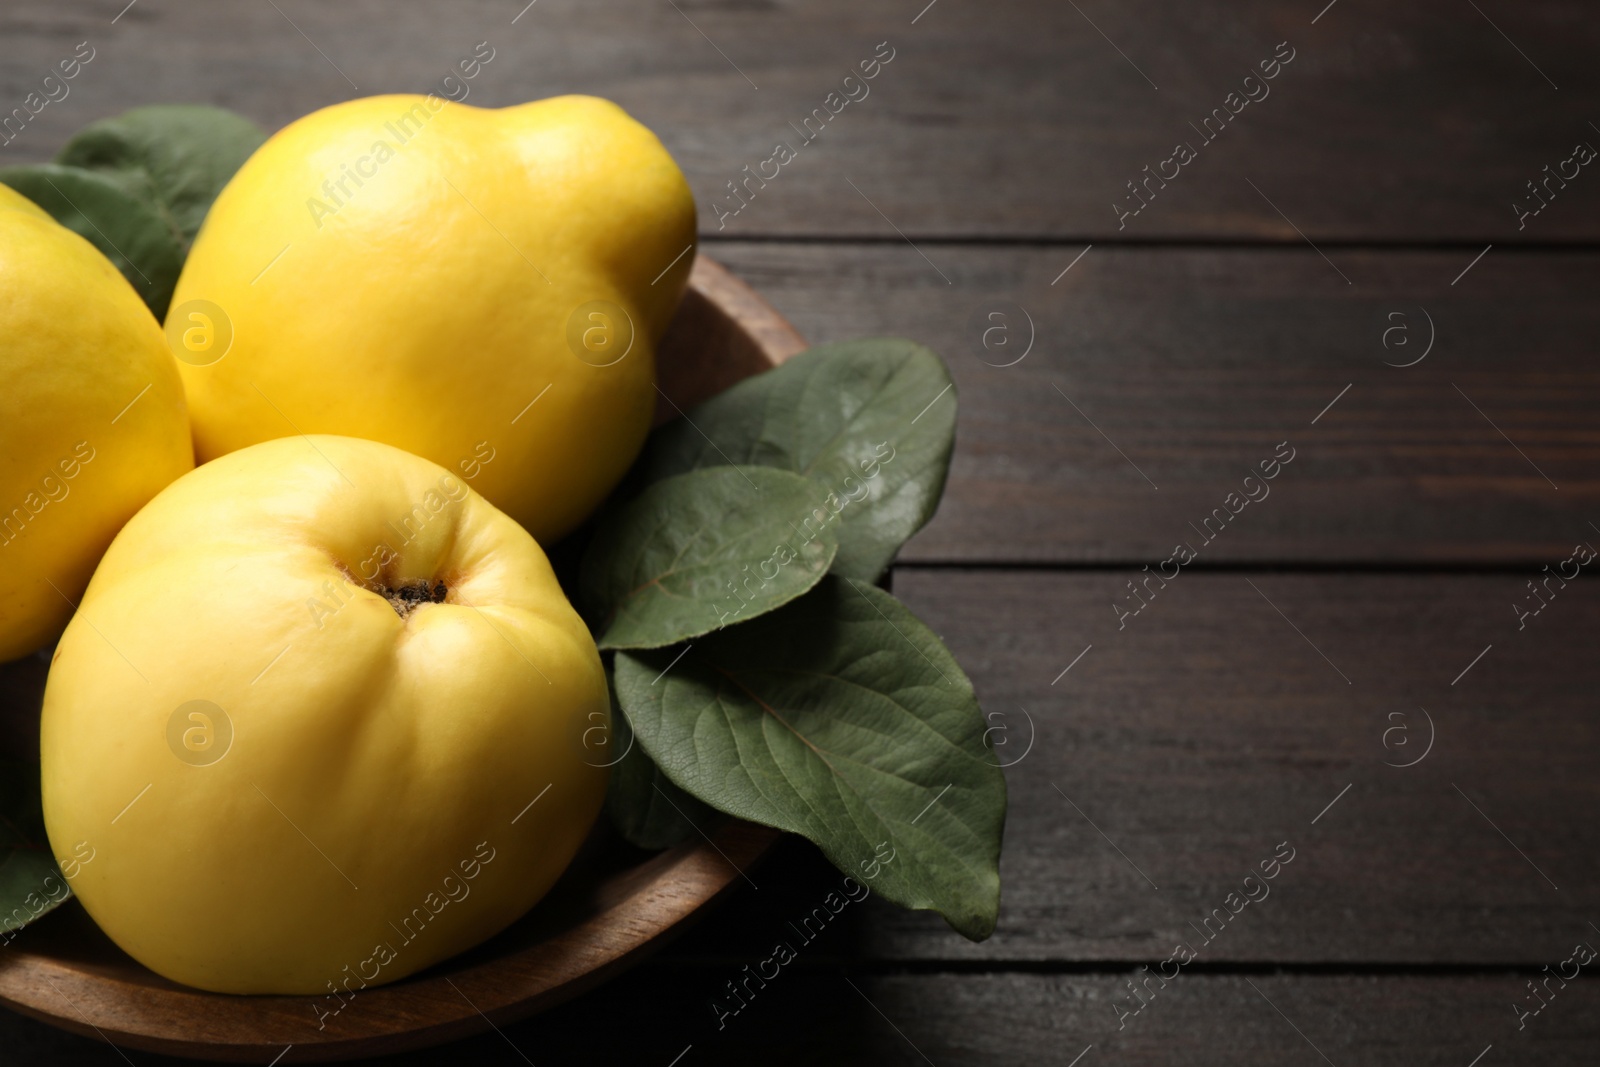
92, 417
484, 288
323, 719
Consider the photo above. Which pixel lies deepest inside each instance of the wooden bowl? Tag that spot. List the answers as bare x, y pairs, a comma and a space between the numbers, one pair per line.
613, 906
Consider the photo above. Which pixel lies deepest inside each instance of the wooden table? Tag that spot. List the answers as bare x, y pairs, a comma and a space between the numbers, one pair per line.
1341, 273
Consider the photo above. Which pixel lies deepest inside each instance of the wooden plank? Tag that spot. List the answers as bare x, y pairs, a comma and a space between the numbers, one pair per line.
1211, 728
1185, 369
1022, 119
810, 1015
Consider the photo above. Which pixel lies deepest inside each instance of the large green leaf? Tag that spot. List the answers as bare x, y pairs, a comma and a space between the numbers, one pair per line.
842, 718
127, 229
30, 882
703, 550
176, 156
872, 422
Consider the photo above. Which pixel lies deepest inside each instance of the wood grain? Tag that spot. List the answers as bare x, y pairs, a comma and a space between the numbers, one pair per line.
814, 1015
1023, 119
1183, 748
1190, 365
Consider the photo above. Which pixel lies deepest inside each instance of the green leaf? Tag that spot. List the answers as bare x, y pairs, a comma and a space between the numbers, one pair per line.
138, 186
174, 156
127, 229
696, 552
644, 805
842, 718
869, 421
30, 882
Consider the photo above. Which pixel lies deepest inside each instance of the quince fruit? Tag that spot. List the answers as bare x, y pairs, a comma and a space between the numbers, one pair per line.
323, 719
483, 288
92, 417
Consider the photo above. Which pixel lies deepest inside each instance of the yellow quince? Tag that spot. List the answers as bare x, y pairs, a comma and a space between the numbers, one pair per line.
324, 719
484, 288
92, 418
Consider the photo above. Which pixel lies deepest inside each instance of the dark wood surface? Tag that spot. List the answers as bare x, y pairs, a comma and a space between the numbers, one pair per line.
1240, 703
1196, 362
1014, 119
